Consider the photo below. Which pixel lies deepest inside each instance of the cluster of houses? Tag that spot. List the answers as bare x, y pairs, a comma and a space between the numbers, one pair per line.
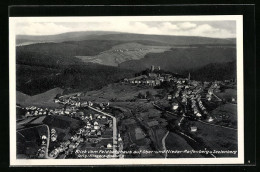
214, 87
144, 80
151, 79
92, 132
54, 135
98, 106
71, 108
71, 100
35, 111
124, 50
189, 94
41, 153
95, 128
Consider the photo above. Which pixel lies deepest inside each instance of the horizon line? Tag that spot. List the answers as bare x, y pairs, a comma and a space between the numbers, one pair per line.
127, 33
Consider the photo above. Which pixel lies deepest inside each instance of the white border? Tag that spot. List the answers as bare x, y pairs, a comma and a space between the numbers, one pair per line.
168, 161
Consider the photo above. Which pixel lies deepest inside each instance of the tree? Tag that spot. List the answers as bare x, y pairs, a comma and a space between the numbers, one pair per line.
149, 95
140, 96
58, 95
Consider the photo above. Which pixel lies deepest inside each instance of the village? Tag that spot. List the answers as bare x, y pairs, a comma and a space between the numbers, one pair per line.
188, 96
184, 98
97, 129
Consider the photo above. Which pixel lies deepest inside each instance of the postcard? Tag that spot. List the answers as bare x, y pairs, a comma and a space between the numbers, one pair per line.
126, 90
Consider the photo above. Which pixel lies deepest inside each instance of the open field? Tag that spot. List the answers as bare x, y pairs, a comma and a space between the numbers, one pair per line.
118, 92
226, 115
215, 138
227, 94
175, 142
45, 99
123, 52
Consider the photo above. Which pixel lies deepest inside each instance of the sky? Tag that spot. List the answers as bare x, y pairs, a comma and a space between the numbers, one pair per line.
215, 29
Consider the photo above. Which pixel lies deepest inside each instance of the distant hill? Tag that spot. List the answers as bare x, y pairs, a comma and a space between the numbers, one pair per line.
120, 36
166, 39
125, 54
69, 36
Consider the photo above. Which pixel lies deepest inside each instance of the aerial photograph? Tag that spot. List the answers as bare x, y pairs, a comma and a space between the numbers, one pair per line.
123, 89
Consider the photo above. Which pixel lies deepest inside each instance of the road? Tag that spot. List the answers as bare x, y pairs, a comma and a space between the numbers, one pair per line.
114, 129
163, 143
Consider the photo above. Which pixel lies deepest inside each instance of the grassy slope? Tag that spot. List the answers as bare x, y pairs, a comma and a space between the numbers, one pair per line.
123, 52
217, 138
42, 100
118, 92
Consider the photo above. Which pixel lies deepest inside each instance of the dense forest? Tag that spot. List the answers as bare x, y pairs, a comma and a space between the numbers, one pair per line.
34, 77
215, 71
178, 60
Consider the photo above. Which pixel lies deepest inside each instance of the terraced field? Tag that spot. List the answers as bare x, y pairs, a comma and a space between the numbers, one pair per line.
123, 52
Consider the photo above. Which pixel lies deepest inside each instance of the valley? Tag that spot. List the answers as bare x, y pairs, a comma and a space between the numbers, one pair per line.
121, 95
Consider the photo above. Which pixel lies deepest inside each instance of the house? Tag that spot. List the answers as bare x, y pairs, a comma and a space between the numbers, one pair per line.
96, 127
152, 75
210, 119
198, 114
161, 78
28, 114
99, 133
157, 82
90, 103
193, 129
109, 145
